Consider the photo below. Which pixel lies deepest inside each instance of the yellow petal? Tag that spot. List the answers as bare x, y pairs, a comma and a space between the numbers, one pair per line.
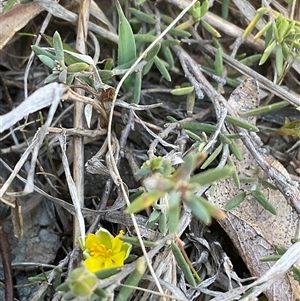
94, 264
115, 260
91, 240
105, 238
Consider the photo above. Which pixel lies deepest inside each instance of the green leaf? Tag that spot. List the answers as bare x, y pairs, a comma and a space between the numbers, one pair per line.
235, 174
259, 196
173, 211
162, 223
47, 61
144, 38
162, 69
78, 67
210, 29
144, 201
204, 8
234, 148
182, 91
50, 78
132, 281
137, 87
212, 157
199, 209
267, 52
168, 56
234, 202
142, 16
279, 59
152, 52
170, 43
198, 126
177, 32
182, 263
296, 273
211, 175
190, 103
242, 123
126, 45
219, 62
58, 47
41, 51
106, 273
153, 218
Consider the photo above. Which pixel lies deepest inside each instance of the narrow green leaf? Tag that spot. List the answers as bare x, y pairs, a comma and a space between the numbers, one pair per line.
211, 175
126, 46
170, 43
267, 184
105, 273
178, 32
204, 8
195, 10
282, 29
47, 61
286, 50
144, 201
263, 30
58, 47
162, 223
78, 67
210, 29
250, 60
219, 62
267, 52
9, 4
132, 280
168, 56
41, 51
198, 209
152, 52
135, 241
142, 16
296, 274
50, 78
198, 126
259, 196
242, 123
182, 91
235, 174
269, 36
153, 218
225, 9
212, 157
173, 211
144, 38
279, 60
234, 148
137, 87
254, 21
264, 109
162, 69
148, 67
183, 264
190, 103
234, 202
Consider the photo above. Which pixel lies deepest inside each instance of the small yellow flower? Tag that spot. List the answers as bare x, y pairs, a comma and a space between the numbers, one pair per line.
102, 250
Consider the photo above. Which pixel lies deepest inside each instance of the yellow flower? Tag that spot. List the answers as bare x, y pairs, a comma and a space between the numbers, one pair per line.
102, 250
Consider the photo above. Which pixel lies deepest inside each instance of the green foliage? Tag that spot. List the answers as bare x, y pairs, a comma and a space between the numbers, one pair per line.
290, 128
64, 66
281, 37
176, 187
